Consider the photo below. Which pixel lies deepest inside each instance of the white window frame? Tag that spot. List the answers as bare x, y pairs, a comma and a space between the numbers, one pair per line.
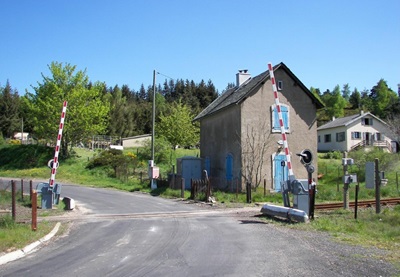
273, 123
354, 137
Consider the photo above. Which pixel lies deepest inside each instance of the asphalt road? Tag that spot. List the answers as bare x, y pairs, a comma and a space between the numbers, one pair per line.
132, 234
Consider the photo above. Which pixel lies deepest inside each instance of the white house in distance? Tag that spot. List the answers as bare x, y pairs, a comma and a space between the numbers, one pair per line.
136, 141
351, 132
21, 136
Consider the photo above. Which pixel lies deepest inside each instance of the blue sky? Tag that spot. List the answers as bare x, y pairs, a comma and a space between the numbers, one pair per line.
324, 43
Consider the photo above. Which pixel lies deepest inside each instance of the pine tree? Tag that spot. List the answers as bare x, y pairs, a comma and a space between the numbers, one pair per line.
346, 92
355, 99
117, 122
9, 111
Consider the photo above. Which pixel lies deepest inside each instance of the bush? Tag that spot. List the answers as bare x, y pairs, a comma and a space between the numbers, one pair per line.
15, 142
114, 163
162, 151
387, 161
333, 155
110, 157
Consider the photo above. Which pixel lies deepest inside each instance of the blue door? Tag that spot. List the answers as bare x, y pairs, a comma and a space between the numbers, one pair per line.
207, 165
280, 171
229, 167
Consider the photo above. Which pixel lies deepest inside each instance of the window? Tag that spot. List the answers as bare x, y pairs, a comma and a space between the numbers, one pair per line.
327, 138
355, 135
276, 127
366, 121
340, 136
379, 136
280, 85
319, 139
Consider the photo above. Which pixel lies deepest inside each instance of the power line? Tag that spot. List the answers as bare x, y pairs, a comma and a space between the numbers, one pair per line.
165, 75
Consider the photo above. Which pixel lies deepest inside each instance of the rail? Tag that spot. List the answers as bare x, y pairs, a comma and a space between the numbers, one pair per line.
365, 203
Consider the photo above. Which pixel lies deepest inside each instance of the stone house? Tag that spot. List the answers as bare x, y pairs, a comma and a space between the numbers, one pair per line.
240, 136
355, 131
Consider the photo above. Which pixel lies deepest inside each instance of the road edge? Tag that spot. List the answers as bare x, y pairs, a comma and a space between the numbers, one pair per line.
17, 254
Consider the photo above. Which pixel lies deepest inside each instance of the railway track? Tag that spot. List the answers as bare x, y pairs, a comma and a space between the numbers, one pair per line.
360, 204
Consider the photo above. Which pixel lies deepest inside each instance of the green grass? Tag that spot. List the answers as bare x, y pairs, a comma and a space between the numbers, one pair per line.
15, 236
369, 229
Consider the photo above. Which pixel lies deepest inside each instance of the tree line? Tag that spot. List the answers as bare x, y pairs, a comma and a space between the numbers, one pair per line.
97, 109
94, 108
380, 100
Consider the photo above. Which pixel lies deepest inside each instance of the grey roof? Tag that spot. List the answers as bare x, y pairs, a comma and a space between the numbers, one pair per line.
237, 94
345, 121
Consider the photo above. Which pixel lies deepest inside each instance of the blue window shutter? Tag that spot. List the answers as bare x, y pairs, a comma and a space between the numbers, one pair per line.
285, 117
284, 110
275, 119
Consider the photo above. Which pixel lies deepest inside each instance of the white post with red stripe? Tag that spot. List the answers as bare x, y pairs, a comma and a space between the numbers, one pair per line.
55, 160
282, 126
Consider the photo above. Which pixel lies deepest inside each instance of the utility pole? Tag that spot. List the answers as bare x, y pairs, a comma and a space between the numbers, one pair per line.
153, 184
154, 115
346, 204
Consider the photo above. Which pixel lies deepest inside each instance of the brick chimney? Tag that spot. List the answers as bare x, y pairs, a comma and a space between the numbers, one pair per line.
241, 77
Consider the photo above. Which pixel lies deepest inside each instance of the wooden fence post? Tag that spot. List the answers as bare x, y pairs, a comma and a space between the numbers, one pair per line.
13, 200
265, 187
30, 189
22, 189
34, 210
191, 189
248, 192
182, 188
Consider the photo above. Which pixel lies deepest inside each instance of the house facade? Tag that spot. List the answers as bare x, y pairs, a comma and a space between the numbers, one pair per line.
355, 131
240, 136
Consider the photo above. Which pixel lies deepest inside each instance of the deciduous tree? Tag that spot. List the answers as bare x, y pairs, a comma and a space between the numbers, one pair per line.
335, 104
177, 127
382, 99
88, 106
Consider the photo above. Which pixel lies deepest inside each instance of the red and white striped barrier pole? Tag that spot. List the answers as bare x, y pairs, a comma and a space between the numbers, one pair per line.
55, 160
282, 126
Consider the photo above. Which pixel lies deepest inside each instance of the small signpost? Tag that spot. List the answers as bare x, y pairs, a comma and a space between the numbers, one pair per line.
373, 180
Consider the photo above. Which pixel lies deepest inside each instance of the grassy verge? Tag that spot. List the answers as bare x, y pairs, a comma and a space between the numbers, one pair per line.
369, 229
15, 236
